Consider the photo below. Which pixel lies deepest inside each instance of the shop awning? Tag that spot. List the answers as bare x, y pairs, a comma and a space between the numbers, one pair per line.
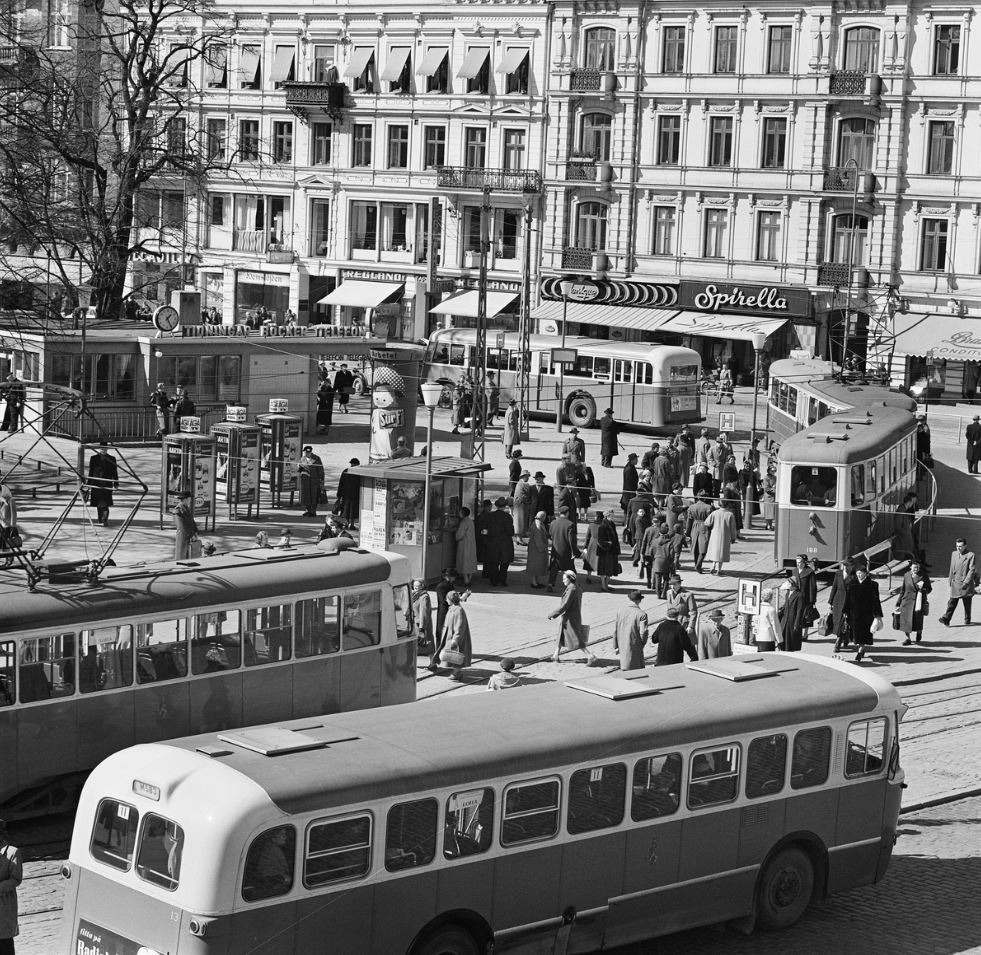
396, 63
619, 316
465, 304
744, 328
432, 61
473, 63
512, 61
947, 336
282, 64
363, 294
359, 61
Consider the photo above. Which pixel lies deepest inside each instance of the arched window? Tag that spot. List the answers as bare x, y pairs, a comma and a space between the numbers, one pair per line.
856, 140
600, 48
591, 226
842, 235
596, 135
861, 49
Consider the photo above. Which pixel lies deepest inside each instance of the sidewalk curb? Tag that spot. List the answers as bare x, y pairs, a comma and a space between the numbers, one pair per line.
936, 678
940, 800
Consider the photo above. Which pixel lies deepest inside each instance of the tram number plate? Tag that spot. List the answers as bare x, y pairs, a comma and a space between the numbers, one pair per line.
683, 402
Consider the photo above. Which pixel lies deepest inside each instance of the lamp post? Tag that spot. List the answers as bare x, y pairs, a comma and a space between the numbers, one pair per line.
566, 285
759, 340
853, 162
431, 392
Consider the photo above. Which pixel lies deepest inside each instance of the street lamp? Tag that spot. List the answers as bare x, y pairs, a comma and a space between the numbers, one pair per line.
431, 393
851, 161
759, 340
566, 285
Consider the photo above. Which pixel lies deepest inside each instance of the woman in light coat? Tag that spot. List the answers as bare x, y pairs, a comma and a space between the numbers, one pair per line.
571, 633
455, 635
721, 525
912, 604
422, 617
769, 634
537, 565
466, 546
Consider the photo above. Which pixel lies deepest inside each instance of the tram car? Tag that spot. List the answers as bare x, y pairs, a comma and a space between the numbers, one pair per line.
840, 482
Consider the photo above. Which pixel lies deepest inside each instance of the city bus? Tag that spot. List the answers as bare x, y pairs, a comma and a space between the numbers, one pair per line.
840, 482
804, 390
647, 386
161, 651
569, 817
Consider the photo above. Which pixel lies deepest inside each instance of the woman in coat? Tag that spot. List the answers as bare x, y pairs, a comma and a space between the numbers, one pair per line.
466, 546
585, 490
602, 550
571, 635
662, 561
806, 579
862, 607
749, 491
731, 502
185, 526
537, 560
311, 477
455, 635
836, 600
641, 521
912, 602
422, 617
721, 525
792, 616
325, 406
524, 506
769, 500
769, 633
904, 540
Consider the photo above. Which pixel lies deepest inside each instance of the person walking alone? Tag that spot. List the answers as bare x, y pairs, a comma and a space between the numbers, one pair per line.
103, 479
912, 603
571, 634
630, 634
511, 434
972, 437
185, 526
11, 876
343, 386
962, 582
609, 434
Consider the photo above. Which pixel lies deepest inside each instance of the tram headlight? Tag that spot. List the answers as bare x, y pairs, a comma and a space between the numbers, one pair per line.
198, 926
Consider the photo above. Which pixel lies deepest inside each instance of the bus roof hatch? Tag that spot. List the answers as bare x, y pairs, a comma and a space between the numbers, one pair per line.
272, 740
740, 669
616, 688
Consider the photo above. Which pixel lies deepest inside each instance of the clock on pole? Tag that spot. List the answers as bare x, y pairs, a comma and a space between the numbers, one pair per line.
166, 318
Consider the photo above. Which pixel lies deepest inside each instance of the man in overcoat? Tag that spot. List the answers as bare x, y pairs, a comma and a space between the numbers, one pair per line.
962, 581
630, 479
630, 634
499, 548
565, 548
103, 480
609, 433
972, 435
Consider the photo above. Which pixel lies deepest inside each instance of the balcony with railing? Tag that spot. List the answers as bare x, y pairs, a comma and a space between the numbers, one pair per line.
581, 169
591, 81
497, 180
836, 275
846, 179
302, 98
576, 259
18, 64
855, 83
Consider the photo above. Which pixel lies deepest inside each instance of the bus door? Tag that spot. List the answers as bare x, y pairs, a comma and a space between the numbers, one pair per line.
603, 388
644, 398
623, 390
545, 383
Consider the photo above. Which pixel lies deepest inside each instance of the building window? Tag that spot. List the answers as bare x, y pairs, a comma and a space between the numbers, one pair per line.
319, 226
320, 139
362, 78
476, 70
395, 227
591, 226
508, 225
669, 140
946, 49
856, 141
175, 67
216, 138
282, 142
862, 49
933, 255
59, 20
940, 156
778, 49
250, 67
248, 140
847, 240
217, 208
284, 66
720, 141
726, 38
664, 225
437, 67
324, 56
364, 225
597, 130
716, 230
471, 229
398, 70
361, 151
398, 147
514, 149
767, 236
435, 147
216, 66
516, 79
774, 143
600, 48
674, 50
475, 147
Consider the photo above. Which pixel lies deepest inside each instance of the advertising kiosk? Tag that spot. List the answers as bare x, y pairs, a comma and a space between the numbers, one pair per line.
237, 463
187, 463
280, 442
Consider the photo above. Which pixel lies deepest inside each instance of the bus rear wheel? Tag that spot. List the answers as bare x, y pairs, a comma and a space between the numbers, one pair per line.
582, 411
448, 940
785, 889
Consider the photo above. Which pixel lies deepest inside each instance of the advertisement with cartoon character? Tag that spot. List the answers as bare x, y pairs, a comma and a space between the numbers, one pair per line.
387, 412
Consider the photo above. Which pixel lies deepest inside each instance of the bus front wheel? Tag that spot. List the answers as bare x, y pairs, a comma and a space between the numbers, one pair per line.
448, 940
582, 411
785, 889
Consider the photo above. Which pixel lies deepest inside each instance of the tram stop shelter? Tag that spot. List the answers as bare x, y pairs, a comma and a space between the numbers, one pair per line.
393, 508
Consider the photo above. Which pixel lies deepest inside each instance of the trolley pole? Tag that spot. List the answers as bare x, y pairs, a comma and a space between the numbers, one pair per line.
560, 395
479, 415
758, 342
852, 161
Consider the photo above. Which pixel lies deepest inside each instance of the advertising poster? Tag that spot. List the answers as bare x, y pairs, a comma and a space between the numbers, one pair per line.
291, 455
223, 478
174, 476
248, 475
266, 449
204, 481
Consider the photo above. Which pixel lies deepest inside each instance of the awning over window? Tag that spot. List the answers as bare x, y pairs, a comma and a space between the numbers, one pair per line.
947, 336
359, 61
744, 328
464, 304
432, 61
248, 63
215, 58
396, 63
619, 316
512, 61
473, 63
282, 64
363, 294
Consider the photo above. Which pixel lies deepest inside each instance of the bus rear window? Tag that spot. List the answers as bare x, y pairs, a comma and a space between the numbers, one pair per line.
657, 787
596, 798
161, 846
866, 745
337, 851
531, 811
714, 777
683, 372
114, 833
811, 757
813, 486
269, 864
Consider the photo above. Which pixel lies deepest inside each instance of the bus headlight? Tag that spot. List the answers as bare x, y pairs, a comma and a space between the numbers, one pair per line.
66, 871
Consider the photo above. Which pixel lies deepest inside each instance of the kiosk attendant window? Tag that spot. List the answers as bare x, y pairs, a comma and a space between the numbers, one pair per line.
813, 486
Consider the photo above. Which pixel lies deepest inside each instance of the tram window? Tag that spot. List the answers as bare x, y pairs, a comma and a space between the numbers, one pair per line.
114, 833
811, 757
866, 744
337, 851
161, 846
410, 834
362, 620
216, 642
267, 634
858, 484
161, 650
8, 670
645, 373
812, 410
813, 486
766, 765
469, 826
881, 462
318, 628
269, 864
531, 811
456, 354
823, 410
601, 367
583, 366
657, 787
775, 393
47, 668
870, 476
713, 776
403, 611
106, 658
496, 358
596, 798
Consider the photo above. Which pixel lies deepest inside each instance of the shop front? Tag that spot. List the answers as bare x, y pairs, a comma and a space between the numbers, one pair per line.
255, 290
379, 302
460, 308
936, 356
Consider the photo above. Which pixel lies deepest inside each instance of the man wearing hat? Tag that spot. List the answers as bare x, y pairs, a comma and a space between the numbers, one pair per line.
102, 481
575, 446
609, 433
924, 452
310, 475
713, 639
672, 641
684, 602
972, 435
511, 434
630, 480
572, 635
11, 876
514, 470
348, 499
545, 496
525, 505
565, 548
630, 634
499, 544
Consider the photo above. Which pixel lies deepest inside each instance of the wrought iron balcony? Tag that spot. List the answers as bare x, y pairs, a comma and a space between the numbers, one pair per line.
846, 178
579, 259
834, 274
854, 83
497, 180
303, 97
581, 170
18, 65
585, 81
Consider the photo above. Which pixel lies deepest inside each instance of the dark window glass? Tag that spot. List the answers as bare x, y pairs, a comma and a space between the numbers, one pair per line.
811, 758
362, 620
813, 486
469, 826
106, 658
779, 49
596, 798
766, 765
656, 787
318, 629
674, 50
531, 811
946, 49
47, 667
337, 851
410, 835
267, 634
161, 846
8, 673
216, 643
725, 49
161, 651
114, 833
866, 745
668, 140
269, 864
713, 777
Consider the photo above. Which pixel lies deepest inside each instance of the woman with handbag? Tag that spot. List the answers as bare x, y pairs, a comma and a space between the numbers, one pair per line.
912, 605
572, 634
837, 621
455, 647
807, 584
863, 610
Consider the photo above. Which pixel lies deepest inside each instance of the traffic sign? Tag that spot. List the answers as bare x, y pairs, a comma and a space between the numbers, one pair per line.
564, 356
750, 597
500, 341
727, 420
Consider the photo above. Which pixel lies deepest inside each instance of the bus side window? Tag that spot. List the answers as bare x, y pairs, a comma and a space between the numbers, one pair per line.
531, 811
216, 643
362, 620
106, 658
318, 626
161, 650
583, 366
766, 765
410, 835
866, 745
713, 776
337, 851
47, 668
268, 631
469, 826
114, 833
8, 673
269, 864
601, 368
656, 787
811, 757
596, 798
161, 846
858, 484
456, 355
622, 371
645, 373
